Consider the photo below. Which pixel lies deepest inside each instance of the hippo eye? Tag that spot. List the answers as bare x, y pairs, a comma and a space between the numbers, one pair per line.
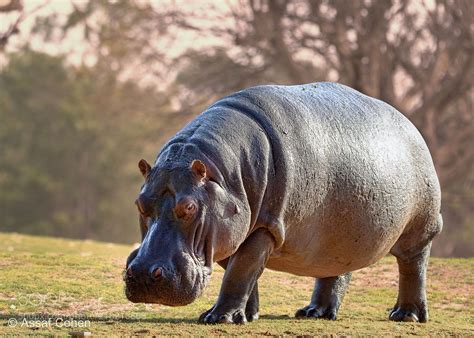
143, 209
186, 208
191, 207
140, 208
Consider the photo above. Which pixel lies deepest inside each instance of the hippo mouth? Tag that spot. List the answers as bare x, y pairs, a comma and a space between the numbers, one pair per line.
174, 287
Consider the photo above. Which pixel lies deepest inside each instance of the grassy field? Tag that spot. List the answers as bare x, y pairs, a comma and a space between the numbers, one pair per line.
47, 285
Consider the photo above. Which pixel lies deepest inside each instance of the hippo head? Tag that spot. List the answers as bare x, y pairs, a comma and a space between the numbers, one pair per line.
188, 219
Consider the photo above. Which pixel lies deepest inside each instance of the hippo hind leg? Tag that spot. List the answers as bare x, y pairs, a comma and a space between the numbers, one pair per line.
327, 296
411, 305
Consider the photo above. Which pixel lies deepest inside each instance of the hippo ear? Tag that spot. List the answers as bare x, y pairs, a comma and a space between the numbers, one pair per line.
144, 168
199, 169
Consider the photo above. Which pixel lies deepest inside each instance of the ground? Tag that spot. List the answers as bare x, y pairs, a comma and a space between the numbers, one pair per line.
55, 286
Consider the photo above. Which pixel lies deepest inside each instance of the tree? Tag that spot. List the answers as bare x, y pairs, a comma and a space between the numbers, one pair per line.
68, 138
6, 9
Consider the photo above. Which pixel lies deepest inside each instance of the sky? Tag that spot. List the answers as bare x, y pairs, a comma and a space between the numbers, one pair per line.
73, 45
33, 9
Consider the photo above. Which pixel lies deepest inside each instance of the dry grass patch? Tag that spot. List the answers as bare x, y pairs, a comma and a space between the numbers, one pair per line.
53, 278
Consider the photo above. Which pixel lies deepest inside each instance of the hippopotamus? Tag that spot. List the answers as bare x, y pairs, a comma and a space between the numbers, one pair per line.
316, 180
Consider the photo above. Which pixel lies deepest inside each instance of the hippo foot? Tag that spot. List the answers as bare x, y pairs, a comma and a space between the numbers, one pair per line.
251, 316
317, 311
237, 317
212, 316
409, 313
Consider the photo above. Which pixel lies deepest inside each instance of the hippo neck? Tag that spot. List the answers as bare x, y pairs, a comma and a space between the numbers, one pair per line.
277, 171
245, 145
239, 136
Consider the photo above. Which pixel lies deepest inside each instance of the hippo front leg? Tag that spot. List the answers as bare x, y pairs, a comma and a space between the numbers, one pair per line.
251, 309
327, 296
240, 278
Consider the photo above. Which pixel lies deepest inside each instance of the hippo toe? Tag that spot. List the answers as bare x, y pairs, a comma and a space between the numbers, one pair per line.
409, 313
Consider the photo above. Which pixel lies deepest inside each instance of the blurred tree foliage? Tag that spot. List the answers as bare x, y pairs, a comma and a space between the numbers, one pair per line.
69, 137
416, 55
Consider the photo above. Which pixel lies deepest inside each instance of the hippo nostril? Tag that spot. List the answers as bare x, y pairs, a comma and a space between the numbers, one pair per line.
156, 273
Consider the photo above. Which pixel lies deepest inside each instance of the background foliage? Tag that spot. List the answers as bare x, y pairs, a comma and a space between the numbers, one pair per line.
71, 133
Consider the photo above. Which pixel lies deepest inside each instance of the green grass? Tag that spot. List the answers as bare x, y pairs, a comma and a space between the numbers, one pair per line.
44, 278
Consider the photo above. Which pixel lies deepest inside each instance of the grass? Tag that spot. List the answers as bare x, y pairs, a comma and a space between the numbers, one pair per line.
80, 283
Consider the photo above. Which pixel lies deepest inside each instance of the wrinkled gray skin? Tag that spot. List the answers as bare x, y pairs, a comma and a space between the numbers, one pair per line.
316, 180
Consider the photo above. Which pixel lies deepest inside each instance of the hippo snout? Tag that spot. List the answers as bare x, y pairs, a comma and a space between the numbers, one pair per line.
137, 274
163, 283
149, 283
